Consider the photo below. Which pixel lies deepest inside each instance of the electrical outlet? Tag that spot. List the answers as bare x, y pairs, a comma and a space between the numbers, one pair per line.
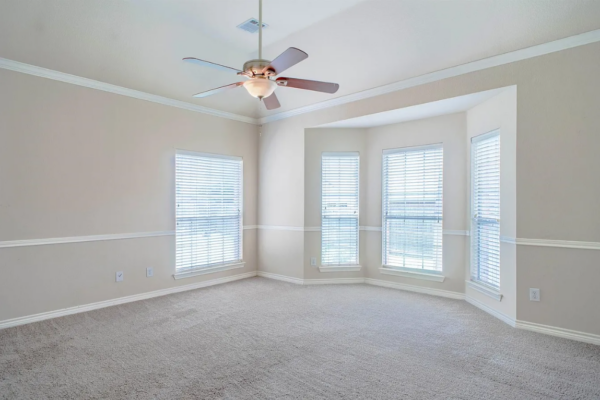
149, 272
313, 261
534, 294
119, 276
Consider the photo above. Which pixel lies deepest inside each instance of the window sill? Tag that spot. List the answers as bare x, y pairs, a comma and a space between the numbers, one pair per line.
415, 274
209, 270
339, 268
494, 294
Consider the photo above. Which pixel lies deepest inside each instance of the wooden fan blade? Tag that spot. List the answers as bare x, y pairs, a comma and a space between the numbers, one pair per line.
288, 58
209, 64
326, 87
219, 89
271, 102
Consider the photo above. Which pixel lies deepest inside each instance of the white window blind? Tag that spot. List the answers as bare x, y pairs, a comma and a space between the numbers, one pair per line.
485, 212
412, 183
208, 191
339, 208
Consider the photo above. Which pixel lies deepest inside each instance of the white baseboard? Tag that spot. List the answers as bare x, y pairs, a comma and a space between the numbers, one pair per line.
299, 281
418, 289
530, 326
333, 281
539, 328
559, 332
375, 282
502, 317
121, 300
278, 277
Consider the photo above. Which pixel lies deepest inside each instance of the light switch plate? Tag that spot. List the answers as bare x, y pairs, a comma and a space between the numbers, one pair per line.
313, 261
149, 272
119, 276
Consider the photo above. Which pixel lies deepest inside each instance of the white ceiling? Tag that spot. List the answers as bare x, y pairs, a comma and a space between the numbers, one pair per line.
421, 111
360, 44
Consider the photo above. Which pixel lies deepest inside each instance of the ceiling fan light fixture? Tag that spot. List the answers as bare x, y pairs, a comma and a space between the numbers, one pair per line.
260, 87
260, 71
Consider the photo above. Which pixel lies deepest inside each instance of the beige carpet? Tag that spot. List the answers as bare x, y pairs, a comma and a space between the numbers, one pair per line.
262, 339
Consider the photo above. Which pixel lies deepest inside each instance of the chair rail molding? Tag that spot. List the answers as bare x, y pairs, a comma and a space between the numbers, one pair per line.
450, 232
569, 244
90, 238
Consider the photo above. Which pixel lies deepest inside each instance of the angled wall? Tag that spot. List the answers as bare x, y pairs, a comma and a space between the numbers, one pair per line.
498, 113
450, 131
317, 141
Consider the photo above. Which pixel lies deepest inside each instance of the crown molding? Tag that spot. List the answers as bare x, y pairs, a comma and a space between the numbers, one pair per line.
485, 63
506, 58
107, 87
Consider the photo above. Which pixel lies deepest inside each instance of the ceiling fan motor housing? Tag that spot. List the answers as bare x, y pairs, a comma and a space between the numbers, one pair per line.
256, 67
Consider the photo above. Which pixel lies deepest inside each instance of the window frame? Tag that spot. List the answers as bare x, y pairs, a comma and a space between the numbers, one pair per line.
328, 267
215, 267
484, 286
418, 273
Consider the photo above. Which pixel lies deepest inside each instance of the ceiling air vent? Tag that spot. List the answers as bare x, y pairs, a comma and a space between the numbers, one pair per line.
251, 25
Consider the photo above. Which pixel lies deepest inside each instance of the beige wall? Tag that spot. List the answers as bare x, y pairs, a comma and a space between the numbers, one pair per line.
499, 112
568, 280
317, 141
111, 158
450, 131
78, 162
281, 199
557, 120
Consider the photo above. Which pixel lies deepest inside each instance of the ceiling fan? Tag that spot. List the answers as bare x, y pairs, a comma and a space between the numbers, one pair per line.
261, 74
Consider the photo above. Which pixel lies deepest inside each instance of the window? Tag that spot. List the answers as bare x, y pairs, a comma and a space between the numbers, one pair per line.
485, 209
208, 192
339, 208
412, 208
